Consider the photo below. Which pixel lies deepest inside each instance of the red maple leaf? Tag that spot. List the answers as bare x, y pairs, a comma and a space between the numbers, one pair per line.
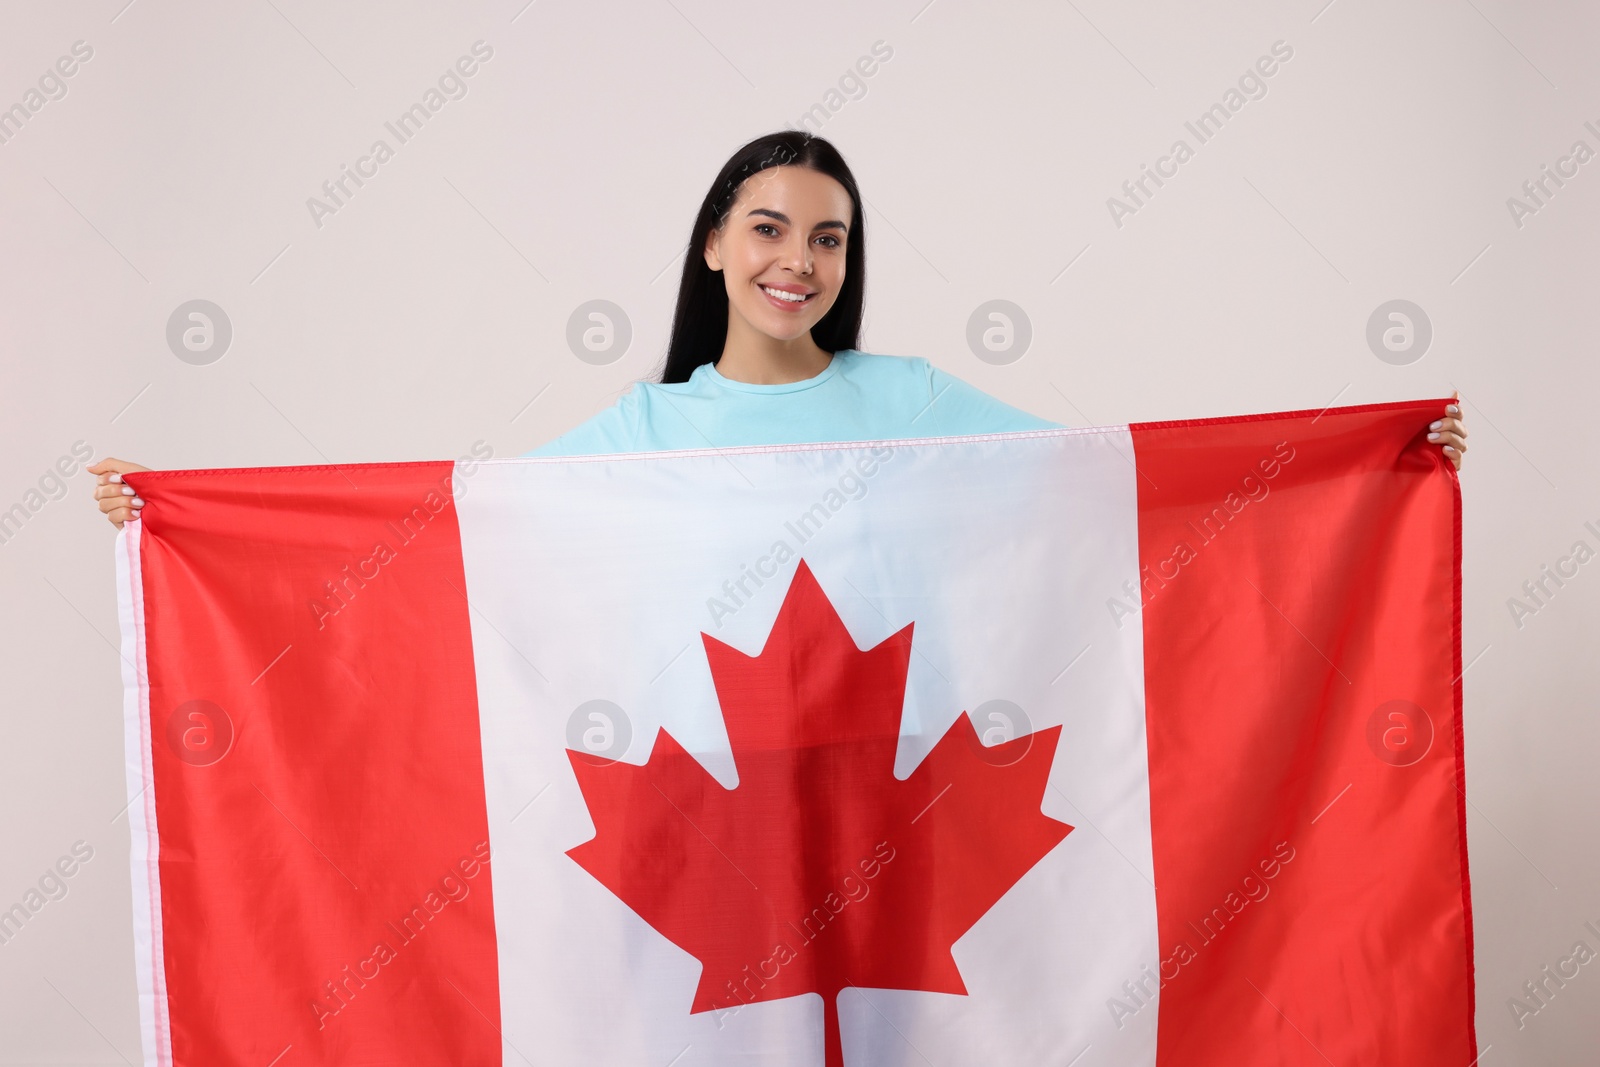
820, 870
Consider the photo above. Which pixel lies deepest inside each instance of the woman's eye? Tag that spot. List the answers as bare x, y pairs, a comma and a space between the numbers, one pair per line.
766, 226
833, 241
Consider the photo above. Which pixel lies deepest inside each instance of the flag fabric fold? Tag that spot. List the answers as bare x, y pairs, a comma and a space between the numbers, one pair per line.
1135, 744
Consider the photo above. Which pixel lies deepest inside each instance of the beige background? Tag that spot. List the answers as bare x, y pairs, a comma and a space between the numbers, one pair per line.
431, 311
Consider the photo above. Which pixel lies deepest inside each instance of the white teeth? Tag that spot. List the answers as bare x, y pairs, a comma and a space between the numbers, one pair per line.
793, 298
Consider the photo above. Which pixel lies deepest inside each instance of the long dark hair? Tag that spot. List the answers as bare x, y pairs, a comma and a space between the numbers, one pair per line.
700, 324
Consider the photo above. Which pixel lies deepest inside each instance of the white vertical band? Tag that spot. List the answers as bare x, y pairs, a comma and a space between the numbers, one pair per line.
144, 853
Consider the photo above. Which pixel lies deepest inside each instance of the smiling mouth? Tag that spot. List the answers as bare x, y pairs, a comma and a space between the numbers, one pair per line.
787, 299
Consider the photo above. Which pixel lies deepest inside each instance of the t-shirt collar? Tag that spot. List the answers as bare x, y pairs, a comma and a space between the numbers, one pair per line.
715, 376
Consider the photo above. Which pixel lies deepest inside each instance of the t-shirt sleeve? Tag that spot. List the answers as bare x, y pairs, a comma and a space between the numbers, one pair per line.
609, 431
961, 408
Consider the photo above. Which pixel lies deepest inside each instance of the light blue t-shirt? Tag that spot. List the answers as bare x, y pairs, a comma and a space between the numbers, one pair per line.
857, 397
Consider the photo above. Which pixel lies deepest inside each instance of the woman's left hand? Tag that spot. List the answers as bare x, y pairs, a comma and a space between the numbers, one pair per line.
1450, 432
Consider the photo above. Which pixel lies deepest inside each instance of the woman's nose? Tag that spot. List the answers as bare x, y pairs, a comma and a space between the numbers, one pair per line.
797, 257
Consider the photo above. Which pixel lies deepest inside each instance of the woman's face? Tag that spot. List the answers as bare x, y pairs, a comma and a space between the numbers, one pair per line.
787, 231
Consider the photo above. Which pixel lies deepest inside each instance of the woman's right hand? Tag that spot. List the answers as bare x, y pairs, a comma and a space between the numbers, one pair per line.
118, 501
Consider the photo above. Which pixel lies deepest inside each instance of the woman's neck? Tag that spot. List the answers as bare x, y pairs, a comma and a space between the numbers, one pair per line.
765, 360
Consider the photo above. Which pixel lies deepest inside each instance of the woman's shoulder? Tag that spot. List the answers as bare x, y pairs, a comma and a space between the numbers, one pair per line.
956, 405
916, 377
882, 366
879, 360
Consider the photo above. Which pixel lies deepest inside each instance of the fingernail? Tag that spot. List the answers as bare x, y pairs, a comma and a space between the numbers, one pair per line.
136, 502
1436, 425
1449, 448
127, 490
1452, 409
1435, 437
116, 477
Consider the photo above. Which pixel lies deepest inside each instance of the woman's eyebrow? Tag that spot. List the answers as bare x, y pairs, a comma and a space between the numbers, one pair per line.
831, 224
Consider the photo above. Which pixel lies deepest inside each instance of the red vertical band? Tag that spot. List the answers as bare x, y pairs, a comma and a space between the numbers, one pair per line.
1307, 804
322, 871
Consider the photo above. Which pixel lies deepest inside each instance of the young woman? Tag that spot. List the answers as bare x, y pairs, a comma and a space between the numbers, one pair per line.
766, 353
